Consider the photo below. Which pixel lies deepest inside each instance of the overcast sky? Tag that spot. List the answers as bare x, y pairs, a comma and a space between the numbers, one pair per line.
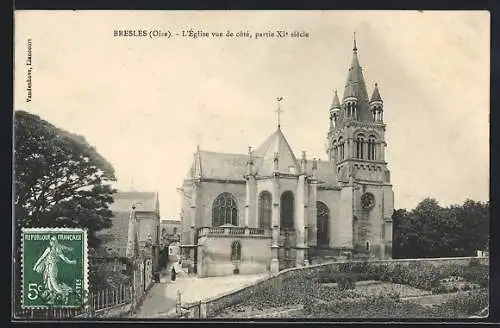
146, 103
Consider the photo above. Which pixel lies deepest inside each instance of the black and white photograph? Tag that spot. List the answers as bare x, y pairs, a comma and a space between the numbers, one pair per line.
252, 165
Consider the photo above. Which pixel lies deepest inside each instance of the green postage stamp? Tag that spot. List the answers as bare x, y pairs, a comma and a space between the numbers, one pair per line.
55, 268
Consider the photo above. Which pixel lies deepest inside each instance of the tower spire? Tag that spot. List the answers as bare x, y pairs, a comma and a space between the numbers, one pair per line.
376, 94
354, 48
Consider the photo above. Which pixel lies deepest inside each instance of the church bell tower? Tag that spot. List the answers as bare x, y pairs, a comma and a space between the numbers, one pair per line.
356, 137
356, 144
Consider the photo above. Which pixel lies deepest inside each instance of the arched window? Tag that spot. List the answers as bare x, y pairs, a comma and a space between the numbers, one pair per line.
341, 149
287, 210
367, 246
265, 210
322, 213
359, 146
236, 251
335, 153
224, 210
371, 148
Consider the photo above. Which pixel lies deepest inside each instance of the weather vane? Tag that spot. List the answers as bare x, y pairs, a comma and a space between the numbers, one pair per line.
279, 111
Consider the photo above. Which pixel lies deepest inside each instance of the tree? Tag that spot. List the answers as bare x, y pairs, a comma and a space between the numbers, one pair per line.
473, 221
59, 181
433, 231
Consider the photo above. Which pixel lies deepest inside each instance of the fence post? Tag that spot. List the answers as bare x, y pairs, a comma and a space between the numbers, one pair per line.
91, 305
203, 310
178, 302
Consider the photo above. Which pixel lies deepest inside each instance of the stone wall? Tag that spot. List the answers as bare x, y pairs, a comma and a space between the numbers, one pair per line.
294, 277
215, 255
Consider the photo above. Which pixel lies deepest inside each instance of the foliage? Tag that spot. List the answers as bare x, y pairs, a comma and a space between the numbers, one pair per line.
379, 306
59, 181
434, 231
465, 303
427, 276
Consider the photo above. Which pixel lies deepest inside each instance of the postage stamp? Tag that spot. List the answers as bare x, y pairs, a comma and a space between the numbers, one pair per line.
55, 267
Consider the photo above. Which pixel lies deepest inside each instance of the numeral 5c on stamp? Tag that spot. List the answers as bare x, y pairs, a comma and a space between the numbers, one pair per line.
55, 267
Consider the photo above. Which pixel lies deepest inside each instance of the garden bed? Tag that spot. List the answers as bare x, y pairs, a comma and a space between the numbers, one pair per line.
389, 289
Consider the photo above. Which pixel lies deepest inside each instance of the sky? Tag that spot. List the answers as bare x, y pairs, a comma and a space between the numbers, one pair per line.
146, 103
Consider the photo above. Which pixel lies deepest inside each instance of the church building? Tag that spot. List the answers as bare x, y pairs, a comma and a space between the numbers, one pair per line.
268, 209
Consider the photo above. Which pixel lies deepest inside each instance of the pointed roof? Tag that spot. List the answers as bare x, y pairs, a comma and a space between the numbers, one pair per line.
215, 165
376, 94
336, 101
275, 143
132, 243
349, 91
356, 87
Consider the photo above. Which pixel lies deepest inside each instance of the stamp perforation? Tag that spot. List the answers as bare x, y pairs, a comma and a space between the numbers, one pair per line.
85, 268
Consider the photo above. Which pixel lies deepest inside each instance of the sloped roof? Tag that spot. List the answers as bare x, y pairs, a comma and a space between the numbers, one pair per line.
225, 166
326, 172
144, 201
115, 238
336, 101
356, 86
376, 94
214, 165
275, 143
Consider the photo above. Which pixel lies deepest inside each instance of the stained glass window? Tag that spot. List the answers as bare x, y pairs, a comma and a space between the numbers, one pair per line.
322, 213
224, 210
265, 210
287, 210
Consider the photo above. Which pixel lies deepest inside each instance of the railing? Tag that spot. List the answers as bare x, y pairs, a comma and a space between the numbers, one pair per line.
98, 301
107, 298
256, 231
240, 231
54, 313
236, 231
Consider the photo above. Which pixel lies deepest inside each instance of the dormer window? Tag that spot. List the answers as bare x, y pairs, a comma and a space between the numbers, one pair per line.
291, 169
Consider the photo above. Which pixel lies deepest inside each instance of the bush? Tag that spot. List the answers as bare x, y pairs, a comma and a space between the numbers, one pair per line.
346, 281
390, 306
427, 276
464, 304
369, 307
478, 274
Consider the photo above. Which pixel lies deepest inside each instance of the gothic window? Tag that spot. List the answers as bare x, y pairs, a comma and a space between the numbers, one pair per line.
224, 210
322, 213
334, 146
341, 149
371, 148
287, 210
236, 251
265, 210
359, 146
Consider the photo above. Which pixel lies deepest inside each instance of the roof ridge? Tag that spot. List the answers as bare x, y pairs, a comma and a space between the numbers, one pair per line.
222, 153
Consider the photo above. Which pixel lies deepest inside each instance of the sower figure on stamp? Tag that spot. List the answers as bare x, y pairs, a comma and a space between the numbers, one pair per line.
47, 265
